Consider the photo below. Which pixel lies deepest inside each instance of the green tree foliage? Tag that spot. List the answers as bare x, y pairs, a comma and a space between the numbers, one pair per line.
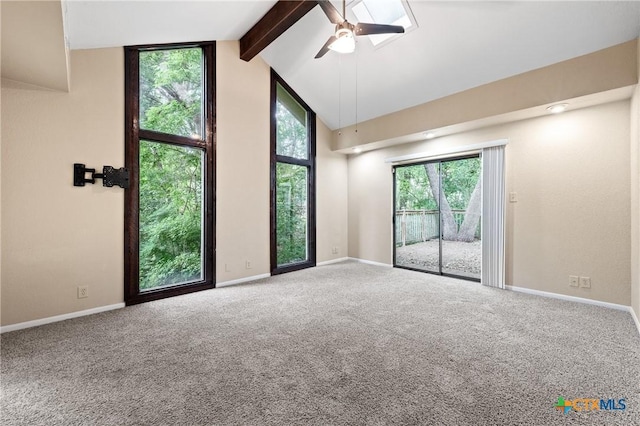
170, 176
412, 189
291, 213
171, 91
170, 214
291, 184
418, 188
291, 129
462, 183
459, 180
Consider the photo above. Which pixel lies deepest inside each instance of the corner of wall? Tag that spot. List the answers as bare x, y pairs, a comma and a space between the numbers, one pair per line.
331, 198
242, 165
635, 195
1, 195
0, 184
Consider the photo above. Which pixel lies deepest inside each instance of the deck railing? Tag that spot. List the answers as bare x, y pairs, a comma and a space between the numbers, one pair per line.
415, 226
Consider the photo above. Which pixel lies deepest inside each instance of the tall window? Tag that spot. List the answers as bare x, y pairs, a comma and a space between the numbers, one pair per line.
169, 207
293, 234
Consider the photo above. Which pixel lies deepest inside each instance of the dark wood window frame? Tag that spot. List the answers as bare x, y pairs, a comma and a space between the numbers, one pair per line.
310, 163
133, 135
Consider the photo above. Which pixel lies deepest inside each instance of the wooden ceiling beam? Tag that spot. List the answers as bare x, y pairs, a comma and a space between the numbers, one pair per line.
276, 21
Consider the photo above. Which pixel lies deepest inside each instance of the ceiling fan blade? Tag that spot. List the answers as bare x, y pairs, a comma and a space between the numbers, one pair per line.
367, 29
325, 48
331, 12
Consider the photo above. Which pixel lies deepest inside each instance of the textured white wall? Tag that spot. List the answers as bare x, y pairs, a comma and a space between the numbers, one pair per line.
635, 200
572, 175
331, 198
56, 237
635, 211
242, 173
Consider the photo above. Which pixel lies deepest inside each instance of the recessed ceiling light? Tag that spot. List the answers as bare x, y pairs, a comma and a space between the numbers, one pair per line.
429, 135
357, 150
557, 108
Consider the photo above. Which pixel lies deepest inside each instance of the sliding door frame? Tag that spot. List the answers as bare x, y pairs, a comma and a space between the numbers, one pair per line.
439, 160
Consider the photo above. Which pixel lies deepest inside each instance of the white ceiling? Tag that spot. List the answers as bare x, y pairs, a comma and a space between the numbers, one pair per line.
109, 23
458, 45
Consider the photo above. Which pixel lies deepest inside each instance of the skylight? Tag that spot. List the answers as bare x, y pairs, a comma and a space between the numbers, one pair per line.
392, 12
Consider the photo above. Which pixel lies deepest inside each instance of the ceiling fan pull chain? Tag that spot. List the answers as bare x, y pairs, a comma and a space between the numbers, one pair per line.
339, 95
356, 90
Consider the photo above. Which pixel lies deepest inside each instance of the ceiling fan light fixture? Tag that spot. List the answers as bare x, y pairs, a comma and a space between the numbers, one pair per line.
345, 42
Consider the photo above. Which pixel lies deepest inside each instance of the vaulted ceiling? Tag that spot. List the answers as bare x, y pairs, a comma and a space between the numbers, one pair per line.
457, 45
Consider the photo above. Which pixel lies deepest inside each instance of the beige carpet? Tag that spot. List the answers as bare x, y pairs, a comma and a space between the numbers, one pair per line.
340, 344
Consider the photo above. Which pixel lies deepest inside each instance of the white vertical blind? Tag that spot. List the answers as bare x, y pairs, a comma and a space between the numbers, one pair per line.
493, 217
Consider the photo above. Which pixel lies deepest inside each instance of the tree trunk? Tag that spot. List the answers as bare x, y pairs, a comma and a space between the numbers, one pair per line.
468, 228
449, 230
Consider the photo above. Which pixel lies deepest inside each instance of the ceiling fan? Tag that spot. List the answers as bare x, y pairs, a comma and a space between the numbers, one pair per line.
343, 40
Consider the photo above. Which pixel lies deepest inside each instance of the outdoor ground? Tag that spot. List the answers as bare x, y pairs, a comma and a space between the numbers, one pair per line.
458, 258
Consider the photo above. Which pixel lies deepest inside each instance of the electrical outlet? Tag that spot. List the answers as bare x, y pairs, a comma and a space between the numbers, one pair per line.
513, 197
248, 264
83, 292
334, 250
573, 280
585, 282
226, 267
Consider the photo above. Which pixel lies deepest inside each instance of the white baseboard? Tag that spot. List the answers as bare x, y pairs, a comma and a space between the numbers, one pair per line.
578, 300
371, 262
569, 298
329, 262
49, 320
242, 280
635, 318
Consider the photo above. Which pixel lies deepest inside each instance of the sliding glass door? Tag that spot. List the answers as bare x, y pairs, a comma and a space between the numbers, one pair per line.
417, 217
438, 208
461, 195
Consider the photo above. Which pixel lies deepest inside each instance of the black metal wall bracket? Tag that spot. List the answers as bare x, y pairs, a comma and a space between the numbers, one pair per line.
110, 176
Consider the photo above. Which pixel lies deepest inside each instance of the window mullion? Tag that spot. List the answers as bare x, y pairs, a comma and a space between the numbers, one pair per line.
291, 160
151, 135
